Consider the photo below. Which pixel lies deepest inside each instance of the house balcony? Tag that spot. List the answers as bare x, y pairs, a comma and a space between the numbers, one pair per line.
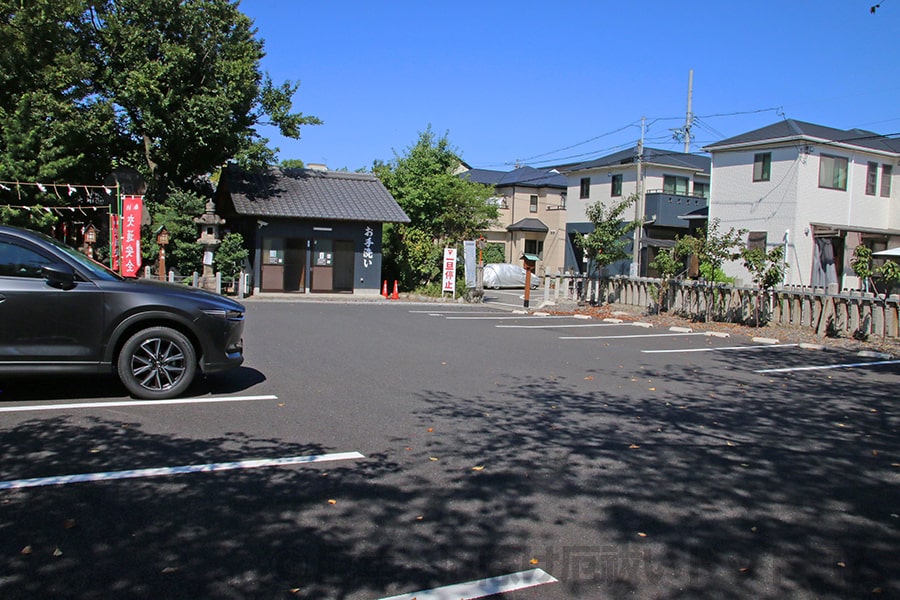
663, 209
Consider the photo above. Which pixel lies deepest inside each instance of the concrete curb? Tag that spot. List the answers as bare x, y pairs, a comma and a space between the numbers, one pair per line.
873, 354
762, 340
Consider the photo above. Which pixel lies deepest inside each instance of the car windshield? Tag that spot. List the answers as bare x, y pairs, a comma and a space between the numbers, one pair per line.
96, 269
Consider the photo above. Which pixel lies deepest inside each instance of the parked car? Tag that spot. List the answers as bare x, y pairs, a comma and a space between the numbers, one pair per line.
61, 312
507, 275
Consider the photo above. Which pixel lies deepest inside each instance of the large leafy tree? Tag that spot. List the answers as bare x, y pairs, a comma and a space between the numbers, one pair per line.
444, 208
172, 88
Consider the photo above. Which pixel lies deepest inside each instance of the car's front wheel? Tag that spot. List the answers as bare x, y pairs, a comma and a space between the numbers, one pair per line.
157, 363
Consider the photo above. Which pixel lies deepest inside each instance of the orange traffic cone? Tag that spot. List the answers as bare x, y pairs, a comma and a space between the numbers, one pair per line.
396, 295
384, 291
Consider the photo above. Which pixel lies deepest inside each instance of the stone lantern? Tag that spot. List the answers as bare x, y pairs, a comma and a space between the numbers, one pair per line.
209, 223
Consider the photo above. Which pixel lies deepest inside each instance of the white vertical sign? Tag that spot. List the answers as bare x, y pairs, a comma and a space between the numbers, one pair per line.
449, 270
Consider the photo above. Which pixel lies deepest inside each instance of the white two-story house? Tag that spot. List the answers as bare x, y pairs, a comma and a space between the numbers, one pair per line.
818, 191
672, 199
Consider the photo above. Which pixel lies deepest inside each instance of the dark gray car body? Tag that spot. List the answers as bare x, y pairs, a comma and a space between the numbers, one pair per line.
62, 313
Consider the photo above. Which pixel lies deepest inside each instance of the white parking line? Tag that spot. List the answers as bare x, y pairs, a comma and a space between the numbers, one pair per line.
522, 316
482, 588
166, 471
622, 337
826, 367
36, 407
559, 326
680, 350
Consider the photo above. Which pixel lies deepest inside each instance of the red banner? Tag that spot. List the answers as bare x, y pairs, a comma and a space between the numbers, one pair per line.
131, 234
114, 242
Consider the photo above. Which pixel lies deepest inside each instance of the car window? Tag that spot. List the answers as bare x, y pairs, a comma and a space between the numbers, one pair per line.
18, 261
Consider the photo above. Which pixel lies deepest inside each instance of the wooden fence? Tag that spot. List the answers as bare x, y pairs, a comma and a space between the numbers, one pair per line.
827, 312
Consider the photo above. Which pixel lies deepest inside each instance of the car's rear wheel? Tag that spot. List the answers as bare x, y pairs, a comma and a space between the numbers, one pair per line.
157, 363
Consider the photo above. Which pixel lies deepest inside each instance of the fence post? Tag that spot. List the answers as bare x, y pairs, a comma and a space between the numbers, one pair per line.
218, 282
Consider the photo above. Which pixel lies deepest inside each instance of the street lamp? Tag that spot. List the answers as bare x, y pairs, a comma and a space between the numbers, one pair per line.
90, 238
162, 239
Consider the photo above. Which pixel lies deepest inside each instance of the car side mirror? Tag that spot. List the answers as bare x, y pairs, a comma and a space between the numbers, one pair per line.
59, 276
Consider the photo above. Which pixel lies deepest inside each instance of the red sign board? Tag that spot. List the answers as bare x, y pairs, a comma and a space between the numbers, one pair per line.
132, 206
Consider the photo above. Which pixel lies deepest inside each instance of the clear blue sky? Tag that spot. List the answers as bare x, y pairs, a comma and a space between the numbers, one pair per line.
530, 81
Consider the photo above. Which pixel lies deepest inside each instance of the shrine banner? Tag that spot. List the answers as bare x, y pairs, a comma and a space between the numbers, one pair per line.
132, 206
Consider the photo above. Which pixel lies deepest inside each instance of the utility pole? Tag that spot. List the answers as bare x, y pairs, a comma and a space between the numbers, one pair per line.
638, 207
688, 120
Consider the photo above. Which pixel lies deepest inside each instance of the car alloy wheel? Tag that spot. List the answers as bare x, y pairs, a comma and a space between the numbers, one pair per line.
157, 363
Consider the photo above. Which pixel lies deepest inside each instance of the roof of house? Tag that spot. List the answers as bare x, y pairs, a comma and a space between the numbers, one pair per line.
523, 177
790, 130
311, 194
529, 224
695, 162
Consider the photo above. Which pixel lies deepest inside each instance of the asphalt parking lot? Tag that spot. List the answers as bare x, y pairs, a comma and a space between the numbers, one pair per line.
408, 450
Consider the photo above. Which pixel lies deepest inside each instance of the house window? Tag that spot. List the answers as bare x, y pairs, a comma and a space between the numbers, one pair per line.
871, 178
672, 184
886, 172
833, 172
533, 204
616, 185
585, 187
535, 247
762, 166
701, 190
498, 201
562, 200
757, 239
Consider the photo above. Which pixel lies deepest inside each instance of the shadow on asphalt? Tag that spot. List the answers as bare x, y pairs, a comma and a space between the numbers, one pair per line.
768, 487
67, 387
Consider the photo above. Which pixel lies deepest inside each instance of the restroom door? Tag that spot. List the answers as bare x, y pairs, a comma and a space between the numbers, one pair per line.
322, 278
295, 265
344, 259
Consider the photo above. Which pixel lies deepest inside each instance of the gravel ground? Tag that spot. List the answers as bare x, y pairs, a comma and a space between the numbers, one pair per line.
784, 334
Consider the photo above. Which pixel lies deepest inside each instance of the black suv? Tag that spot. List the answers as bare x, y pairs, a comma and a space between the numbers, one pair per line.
61, 312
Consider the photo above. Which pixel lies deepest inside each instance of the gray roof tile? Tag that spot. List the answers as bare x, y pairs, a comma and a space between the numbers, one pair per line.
789, 129
312, 194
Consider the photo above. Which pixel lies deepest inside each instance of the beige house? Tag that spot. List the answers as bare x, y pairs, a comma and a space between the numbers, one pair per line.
532, 214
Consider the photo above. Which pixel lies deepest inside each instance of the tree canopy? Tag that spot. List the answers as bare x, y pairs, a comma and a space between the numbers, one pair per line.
172, 88
444, 208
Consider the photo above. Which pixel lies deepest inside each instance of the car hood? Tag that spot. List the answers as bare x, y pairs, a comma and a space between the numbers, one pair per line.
174, 291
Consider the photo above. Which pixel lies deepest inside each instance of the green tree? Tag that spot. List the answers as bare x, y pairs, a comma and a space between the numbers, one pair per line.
176, 214
609, 240
172, 88
668, 264
291, 163
766, 270
890, 274
231, 254
861, 262
444, 208
712, 249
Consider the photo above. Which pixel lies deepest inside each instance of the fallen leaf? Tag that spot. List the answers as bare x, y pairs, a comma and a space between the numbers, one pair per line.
432, 458
744, 569
430, 429
589, 378
408, 448
653, 389
641, 534
420, 517
57, 552
634, 447
874, 452
27, 550
729, 443
294, 591
534, 561
478, 468
281, 404
332, 502
169, 570
842, 564
753, 529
